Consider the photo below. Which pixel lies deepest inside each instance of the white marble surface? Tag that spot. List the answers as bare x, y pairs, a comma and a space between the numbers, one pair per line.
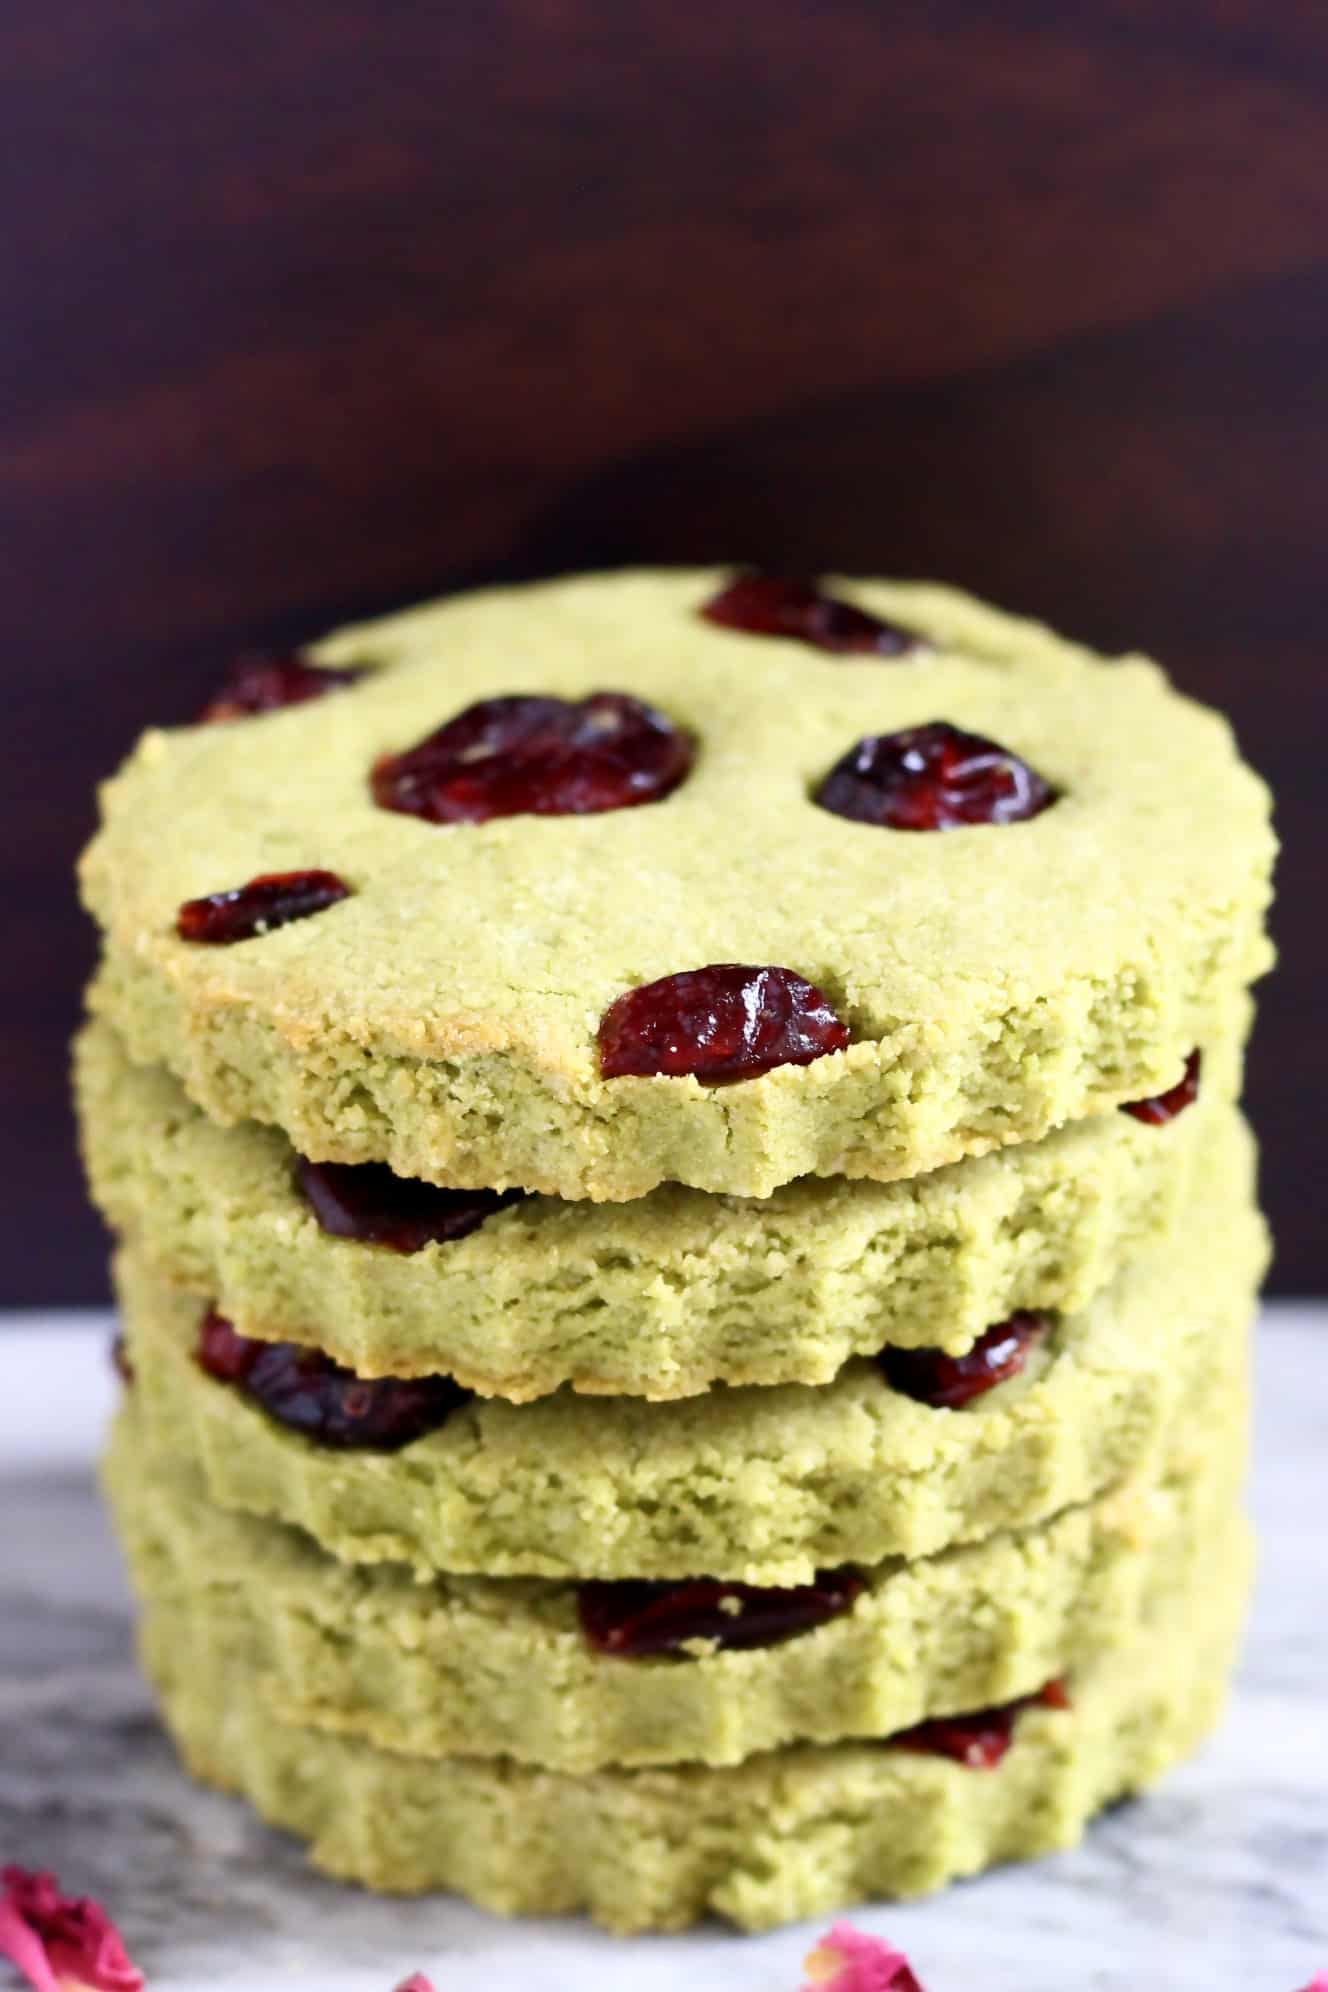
1218, 1883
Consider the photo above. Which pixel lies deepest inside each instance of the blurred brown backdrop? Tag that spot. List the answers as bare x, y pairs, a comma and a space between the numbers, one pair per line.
312, 309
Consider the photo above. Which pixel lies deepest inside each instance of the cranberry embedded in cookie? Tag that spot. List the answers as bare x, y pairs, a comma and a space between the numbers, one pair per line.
933, 777
764, 605
245, 911
727, 1021
368, 1202
633, 1620
307, 1391
1164, 1107
265, 683
948, 1382
223, 1352
537, 757
978, 1741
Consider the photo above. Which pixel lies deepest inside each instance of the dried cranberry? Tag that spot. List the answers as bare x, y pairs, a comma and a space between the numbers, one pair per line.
979, 1741
264, 683
633, 1619
1165, 1106
273, 900
728, 1021
306, 1390
223, 1352
365, 1200
933, 777
764, 605
537, 757
120, 1362
948, 1382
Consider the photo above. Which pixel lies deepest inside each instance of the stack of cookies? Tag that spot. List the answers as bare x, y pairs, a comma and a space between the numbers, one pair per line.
686, 1242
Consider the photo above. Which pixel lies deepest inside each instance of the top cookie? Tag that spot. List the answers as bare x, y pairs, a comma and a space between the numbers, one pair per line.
978, 985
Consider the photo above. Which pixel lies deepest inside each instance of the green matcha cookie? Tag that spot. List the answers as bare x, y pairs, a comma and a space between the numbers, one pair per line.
657, 1298
753, 1484
995, 981
503, 1668
786, 1835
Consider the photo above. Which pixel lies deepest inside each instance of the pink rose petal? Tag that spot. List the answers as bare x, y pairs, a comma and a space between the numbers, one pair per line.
417, 1982
61, 1943
1319, 1984
848, 1961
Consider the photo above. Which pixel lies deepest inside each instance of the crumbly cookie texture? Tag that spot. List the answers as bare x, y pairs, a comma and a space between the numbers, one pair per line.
997, 981
761, 1485
785, 1835
659, 1298
502, 1668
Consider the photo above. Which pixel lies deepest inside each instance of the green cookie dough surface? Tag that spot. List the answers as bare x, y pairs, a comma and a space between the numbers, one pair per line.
658, 1298
766, 1485
998, 981
501, 1668
786, 1835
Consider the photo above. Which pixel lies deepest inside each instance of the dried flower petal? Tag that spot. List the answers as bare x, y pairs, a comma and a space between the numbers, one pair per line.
847, 1960
1319, 1984
417, 1982
61, 1943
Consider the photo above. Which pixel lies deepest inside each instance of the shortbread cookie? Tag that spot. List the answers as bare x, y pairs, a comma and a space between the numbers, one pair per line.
786, 1835
658, 1298
761, 1485
509, 1668
437, 994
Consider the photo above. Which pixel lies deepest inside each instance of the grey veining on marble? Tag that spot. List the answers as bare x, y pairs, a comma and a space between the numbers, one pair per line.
1217, 1883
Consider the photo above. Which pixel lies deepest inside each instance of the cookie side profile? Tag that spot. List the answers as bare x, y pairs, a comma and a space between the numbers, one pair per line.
764, 1486
483, 1667
985, 983
659, 1298
787, 1835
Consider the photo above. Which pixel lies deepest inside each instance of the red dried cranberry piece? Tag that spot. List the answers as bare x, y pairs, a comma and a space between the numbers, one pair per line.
933, 777
272, 900
366, 1201
537, 757
223, 1352
120, 1362
979, 1741
728, 1021
932, 1377
1165, 1106
264, 683
306, 1390
634, 1619
763, 605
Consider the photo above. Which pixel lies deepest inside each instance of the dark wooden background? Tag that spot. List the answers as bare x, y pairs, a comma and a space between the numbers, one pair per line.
311, 309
